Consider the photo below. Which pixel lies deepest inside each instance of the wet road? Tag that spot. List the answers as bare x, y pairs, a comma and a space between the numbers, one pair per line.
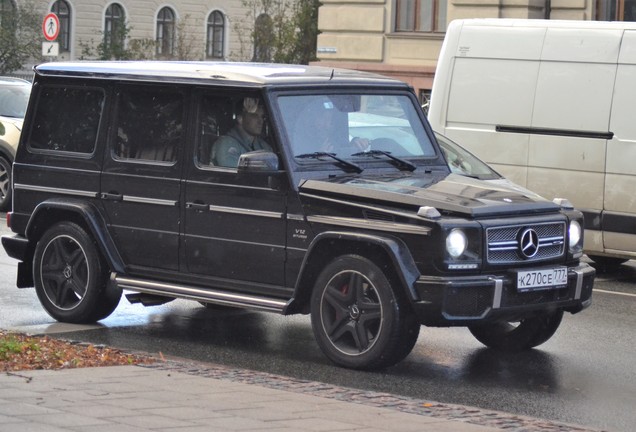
585, 374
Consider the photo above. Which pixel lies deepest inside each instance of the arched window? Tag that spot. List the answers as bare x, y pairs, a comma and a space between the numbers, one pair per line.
165, 32
114, 26
63, 12
215, 36
263, 38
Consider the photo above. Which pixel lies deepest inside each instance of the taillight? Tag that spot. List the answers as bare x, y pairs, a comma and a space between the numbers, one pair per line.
9, 220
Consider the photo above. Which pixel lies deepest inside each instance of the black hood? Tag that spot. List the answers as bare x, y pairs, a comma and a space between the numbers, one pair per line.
448, 193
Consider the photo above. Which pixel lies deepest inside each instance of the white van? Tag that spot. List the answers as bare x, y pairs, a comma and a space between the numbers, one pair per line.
552, 106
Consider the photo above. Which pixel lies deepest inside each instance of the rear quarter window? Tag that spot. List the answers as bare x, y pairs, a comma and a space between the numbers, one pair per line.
66, 119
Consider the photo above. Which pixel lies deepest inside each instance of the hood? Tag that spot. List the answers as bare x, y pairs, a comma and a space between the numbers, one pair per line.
448, 193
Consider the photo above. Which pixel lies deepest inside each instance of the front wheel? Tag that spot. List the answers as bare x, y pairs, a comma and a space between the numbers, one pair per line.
71, 277
5, 184
518, 336
359, 321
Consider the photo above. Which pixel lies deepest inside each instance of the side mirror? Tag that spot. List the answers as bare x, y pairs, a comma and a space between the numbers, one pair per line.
259, 161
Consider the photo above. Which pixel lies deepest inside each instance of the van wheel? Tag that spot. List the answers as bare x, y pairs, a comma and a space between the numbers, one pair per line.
71, 277
519, 336
358, 320
5, 184
606, 262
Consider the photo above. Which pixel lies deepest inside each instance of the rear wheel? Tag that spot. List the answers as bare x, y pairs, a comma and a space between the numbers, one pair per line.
71, 277
518, 336
359, 321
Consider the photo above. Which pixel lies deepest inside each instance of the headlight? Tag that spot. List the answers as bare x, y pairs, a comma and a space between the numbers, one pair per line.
456, 243
575, 233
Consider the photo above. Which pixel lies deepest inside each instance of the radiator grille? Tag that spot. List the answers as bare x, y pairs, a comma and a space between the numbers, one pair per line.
504, 243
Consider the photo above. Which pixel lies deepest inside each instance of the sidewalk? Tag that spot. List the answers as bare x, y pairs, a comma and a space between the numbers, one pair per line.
182, 397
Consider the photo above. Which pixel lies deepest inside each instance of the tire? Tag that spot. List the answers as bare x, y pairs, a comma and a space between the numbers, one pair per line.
607, 262
71, 277
523, 335
369, 326
5, 184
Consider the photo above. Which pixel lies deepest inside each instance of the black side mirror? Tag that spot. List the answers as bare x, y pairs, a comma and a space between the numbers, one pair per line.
259, 161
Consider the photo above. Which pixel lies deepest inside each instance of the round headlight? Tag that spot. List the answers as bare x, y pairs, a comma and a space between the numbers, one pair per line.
575, 233
456, 243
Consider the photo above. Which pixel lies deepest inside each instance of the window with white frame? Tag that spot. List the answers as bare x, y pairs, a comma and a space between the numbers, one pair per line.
616, 10
215, 36
114, 26
63, 12
426, 16
165, 32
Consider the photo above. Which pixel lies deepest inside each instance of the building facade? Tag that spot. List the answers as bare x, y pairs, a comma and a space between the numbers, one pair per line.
173, 29
403, 38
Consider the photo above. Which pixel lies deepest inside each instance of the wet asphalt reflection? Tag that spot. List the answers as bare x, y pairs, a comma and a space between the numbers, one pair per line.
583, 375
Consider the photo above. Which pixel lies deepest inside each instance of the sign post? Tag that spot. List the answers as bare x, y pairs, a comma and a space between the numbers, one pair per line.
51, 30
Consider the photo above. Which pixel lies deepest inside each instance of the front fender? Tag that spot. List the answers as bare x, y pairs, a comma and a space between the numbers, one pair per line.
321, 251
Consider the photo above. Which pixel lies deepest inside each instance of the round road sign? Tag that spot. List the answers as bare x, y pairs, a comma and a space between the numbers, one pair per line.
51, 27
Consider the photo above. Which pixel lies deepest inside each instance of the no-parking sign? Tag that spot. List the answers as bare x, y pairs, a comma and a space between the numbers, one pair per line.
51, 27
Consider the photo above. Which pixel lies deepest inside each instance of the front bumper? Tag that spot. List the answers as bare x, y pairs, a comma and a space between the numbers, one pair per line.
465, 300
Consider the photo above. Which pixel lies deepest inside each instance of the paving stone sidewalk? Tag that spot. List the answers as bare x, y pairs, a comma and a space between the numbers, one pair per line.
192, 397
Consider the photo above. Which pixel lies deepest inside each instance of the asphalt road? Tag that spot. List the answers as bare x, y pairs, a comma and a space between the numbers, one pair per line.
584, 375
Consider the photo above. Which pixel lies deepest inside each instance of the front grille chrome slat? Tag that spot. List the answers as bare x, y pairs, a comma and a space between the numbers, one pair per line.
504, 247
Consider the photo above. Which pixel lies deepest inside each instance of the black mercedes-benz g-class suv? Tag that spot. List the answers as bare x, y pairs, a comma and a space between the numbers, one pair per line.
289, 189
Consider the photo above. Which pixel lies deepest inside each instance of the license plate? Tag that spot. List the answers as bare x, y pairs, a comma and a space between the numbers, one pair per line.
542, 279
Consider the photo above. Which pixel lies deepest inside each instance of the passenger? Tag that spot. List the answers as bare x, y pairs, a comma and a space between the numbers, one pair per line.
244, 137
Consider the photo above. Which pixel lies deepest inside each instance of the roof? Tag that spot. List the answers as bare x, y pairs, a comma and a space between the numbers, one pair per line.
223, 73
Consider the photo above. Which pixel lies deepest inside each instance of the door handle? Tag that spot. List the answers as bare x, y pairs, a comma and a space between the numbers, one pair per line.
112, 196
197, 206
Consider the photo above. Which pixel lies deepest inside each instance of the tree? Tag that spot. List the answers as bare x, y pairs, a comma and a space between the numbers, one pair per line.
20, 35
284, 31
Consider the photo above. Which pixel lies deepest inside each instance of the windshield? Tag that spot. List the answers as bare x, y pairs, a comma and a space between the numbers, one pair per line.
14, 99
461, 161
352, 126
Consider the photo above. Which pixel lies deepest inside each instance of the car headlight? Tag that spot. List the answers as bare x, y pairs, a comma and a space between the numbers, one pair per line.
575, 233
456, 243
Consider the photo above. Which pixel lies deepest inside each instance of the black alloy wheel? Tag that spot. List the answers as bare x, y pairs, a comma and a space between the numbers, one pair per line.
359, 321
71, 277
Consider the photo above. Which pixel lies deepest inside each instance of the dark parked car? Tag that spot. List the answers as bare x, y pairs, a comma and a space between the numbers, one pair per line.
289, 189
14, 96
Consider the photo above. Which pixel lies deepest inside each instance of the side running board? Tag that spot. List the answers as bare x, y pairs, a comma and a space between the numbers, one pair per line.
199, 294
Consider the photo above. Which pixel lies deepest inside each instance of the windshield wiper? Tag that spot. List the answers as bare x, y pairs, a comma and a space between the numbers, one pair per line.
317, 155
402, 164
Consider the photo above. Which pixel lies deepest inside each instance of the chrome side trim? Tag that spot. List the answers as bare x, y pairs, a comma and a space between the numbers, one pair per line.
146, 200
370, 224
245, 211
200, 294
74, 192
364, 206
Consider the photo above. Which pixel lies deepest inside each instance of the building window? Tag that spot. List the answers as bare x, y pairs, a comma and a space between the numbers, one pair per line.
215, 35
114, 26
63, 12
421, 16
165, 32
263, 38
616, 10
